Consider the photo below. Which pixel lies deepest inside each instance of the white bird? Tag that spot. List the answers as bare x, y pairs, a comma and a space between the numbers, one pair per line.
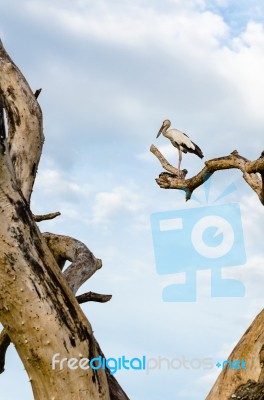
179, 140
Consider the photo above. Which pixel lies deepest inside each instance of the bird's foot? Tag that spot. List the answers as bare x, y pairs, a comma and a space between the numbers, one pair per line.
182, 174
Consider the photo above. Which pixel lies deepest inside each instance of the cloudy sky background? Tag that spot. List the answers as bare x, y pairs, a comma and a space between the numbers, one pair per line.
111, 72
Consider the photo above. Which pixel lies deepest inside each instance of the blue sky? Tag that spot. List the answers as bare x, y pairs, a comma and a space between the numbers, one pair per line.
111, 72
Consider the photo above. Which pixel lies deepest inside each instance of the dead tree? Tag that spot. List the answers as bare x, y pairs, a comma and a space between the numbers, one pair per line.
38, 309
231, 383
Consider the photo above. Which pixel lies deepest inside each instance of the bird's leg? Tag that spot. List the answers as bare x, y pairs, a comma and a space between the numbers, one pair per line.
179, 163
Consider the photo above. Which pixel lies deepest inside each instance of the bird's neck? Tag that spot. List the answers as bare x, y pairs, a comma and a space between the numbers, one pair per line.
165, 132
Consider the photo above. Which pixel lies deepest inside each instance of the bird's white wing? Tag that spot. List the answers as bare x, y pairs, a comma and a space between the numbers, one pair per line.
180, 139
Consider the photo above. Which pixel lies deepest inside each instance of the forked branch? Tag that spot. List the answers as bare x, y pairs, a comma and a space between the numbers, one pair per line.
83, 263
250, 170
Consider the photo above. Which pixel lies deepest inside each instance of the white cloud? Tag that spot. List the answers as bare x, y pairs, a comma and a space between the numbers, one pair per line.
242, 65
253, 222
177, 61
222, 3
135, 25
120, 199
55, 183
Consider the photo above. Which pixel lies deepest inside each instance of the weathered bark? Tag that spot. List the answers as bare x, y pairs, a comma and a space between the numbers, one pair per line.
84, 264
166, 165
249, 391
249, 348
234, 160
39, 218
25, 132
116, 392
91, 296
38, 309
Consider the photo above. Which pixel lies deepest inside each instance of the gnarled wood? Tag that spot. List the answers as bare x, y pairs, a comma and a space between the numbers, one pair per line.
247, 349
84, 264
91, 296
38, 309
234, 160
166, 165
249, 391
24, 117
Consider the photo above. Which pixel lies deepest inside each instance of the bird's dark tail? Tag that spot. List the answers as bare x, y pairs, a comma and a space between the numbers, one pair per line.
198, 151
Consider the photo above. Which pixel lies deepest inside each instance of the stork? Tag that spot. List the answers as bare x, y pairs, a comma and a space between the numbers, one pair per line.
179, 140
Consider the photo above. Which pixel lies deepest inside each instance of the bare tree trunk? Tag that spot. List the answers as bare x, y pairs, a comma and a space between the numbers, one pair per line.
248, 348
38, 309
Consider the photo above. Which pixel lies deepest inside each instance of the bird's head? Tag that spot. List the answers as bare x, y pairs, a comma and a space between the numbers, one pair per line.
165, 125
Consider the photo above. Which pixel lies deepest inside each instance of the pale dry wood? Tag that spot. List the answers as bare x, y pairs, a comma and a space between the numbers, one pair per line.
166, 165
234, 160
83, 263
37, 308
116, 392
249, 391
248, 348
24, 117
261, 360
39, 312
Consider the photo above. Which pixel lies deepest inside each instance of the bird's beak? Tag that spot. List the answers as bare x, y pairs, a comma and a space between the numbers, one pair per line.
159, 132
